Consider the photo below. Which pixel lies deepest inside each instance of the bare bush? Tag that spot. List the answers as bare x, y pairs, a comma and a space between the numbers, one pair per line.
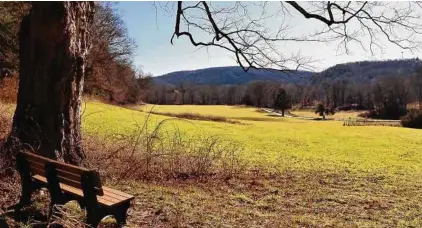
163, 153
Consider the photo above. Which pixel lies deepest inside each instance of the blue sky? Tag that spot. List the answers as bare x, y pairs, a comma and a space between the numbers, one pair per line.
152, 31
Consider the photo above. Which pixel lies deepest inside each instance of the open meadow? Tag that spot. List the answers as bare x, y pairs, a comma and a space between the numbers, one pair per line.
271, 141
309, 173
100, 122
294, 172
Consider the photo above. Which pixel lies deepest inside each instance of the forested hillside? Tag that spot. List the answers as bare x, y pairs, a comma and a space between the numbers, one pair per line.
362, 72
231, 75
367, 71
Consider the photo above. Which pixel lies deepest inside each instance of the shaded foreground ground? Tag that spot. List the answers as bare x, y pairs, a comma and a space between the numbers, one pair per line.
287, 199
300, 174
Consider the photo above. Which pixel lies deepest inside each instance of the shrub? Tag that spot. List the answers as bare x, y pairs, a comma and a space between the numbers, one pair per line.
413, 119
323, 111
158, 153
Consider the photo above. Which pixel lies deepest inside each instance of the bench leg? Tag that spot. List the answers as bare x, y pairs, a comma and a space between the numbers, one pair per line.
94, 215
26, 195
26, 181
93, 209
120, 213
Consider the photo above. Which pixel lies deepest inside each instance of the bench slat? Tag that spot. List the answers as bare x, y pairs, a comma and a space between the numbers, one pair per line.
35, 171
64, 169
58, 165
114, 196
70, 180
61, 179
106, 200
117, 192
66, 182
67, 175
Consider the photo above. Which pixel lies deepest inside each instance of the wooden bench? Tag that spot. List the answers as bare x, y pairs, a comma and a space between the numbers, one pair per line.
67, 182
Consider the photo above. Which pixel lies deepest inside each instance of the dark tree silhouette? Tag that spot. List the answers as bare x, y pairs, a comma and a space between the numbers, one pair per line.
323, 110
282, 101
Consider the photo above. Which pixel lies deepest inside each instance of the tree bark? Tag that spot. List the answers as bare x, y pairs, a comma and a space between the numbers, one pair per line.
54, 43
420, 103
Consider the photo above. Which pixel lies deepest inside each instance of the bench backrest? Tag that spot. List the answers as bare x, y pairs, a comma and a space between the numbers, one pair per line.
65, 173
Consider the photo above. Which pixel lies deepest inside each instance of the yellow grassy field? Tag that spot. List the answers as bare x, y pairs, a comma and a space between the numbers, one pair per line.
277, 142
280, 142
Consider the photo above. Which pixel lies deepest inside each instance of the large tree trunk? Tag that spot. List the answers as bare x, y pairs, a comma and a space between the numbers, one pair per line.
54, 43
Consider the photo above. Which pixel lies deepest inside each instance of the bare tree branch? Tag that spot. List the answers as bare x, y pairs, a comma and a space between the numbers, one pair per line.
255, 45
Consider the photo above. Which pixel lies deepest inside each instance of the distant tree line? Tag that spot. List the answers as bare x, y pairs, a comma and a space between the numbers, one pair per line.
387, 97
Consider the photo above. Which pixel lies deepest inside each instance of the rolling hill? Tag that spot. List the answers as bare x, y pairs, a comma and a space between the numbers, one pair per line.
231, 75
367, 71
364, 72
